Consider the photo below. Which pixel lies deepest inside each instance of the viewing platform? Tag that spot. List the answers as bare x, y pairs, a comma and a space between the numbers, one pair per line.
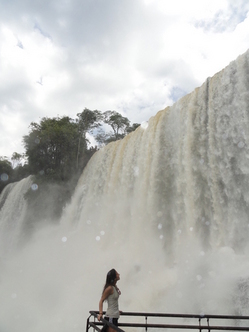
172, 322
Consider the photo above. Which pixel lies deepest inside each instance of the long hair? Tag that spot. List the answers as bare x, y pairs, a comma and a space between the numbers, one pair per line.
110, 279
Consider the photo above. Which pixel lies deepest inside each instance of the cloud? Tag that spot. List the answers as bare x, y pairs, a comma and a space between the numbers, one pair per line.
135, 57
225, 19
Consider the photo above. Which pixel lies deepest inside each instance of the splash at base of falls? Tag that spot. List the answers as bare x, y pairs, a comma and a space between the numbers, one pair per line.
167, 207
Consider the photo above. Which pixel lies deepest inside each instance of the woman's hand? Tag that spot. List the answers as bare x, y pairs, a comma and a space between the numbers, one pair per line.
99, 316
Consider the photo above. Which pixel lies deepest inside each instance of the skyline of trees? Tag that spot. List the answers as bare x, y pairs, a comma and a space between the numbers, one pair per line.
58, 147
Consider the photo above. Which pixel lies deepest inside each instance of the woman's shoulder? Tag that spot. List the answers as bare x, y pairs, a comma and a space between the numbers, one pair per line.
109, 290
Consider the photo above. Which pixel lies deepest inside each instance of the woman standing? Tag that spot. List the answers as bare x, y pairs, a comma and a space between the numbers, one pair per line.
110, 294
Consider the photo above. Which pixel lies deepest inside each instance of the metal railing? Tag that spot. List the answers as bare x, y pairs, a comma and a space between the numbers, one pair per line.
173, 322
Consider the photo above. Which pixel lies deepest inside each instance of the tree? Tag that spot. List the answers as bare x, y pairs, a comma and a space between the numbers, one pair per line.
87, 121
118, 123
17, 159
51, 150
51, 147
103, 137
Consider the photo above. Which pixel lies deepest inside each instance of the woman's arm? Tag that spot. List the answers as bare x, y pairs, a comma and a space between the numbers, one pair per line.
107, 292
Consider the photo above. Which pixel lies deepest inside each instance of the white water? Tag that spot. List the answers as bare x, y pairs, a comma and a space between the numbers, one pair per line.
13, 210
167, 207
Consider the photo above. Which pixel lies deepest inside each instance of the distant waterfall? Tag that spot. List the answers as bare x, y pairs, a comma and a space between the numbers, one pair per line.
167, 206
13, 209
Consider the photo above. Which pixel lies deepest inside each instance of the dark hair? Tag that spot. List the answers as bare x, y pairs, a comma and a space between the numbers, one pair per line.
110, 279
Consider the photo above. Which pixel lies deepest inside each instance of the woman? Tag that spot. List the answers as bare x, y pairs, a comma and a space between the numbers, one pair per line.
110, 294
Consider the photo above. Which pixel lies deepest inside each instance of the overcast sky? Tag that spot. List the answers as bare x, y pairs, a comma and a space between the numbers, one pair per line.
132, 56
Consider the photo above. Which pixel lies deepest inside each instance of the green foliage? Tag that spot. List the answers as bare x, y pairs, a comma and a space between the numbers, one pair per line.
12, 171
103, 137
5, 172
51, 147
118, 123
57, 152
20, 172
120, 126
5, 166
87, 121
17, 159
132, 128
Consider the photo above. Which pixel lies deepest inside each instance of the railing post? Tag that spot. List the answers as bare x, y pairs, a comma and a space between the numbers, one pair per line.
208, 325
200, 324
146, 323
87, 323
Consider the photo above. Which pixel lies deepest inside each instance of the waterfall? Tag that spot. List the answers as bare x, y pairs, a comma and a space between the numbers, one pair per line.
167, 206
186, 173
13, 209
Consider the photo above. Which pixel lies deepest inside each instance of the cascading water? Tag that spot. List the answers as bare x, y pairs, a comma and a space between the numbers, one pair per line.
168, 207
13, 210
